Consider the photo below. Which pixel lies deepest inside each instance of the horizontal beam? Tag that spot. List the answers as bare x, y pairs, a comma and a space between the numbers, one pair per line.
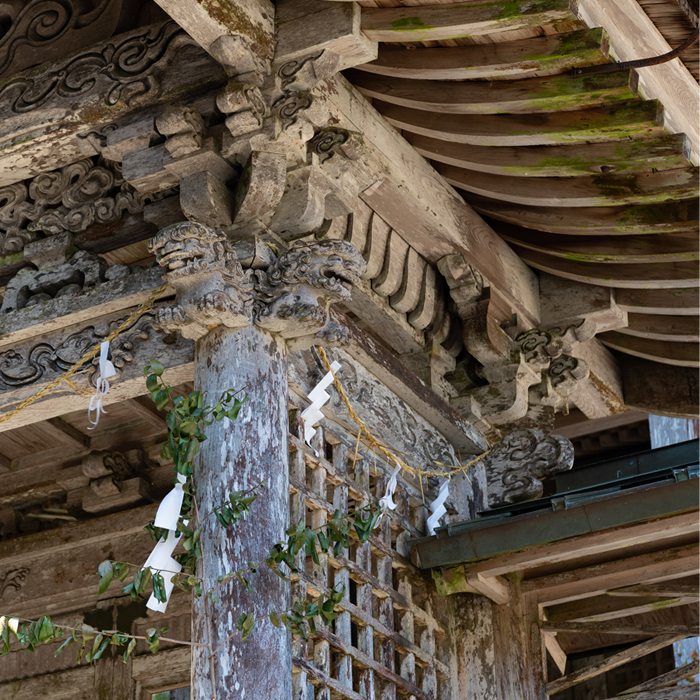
662, 565
610, 663
669, 352
540, 55
618, 628
415, 201
438, 22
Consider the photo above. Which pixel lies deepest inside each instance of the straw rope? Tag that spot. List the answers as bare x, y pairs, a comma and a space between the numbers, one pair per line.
372, 441
85, 358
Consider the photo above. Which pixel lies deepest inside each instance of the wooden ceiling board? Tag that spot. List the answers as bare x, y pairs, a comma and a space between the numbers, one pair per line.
671, 353
665, 302
677, 329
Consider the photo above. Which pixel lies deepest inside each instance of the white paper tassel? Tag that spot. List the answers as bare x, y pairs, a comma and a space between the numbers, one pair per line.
437, 507
102, 388
161, 559
169, 509
386, 502
318, 397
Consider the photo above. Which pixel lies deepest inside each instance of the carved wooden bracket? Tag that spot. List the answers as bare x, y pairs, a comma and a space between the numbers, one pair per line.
291, 297
516, 466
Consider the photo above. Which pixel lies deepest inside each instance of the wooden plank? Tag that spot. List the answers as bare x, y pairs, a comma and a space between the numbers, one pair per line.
591, 191
662, 565
678, 588
665, 152
537, 56
671, 275
601, 608
670, 302
618, 628
682, 692
75, 684
671, 353
632, 36
610, 663
523, 96
75, 436
604, 249
437, 22
658, 327
635, 119
667, 217
555, 651
587, 427
667, 390
443, 223
687, 671
584, 545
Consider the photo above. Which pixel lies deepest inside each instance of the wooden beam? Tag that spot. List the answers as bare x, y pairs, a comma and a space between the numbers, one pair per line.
666, 390
555, 651
617, 628
644, 188
610, 663
668, 302
663, 565
217, 26
437, 22
38, 134
682, 692
76, 437
604, 249
555, 161
537, 56
670, 678
584, 545
678, 588
496, 588
667, 217
597, 425
658, 327
598, 124
421, 206
600, 608
667, 352
633, 35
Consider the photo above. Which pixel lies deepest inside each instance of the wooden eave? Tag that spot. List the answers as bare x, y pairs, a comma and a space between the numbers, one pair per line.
583, 176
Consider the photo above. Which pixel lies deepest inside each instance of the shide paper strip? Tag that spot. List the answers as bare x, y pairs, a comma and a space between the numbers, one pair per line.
318, 397
102, 386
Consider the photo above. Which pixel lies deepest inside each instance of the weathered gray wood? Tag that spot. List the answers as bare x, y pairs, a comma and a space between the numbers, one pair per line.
682, 692
236, 456
619, 628
610, 663
668, 679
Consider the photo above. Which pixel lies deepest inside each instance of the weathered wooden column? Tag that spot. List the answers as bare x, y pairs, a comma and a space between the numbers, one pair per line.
243, 324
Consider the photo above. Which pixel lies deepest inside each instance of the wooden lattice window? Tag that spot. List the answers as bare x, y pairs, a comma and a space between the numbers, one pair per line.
386, 642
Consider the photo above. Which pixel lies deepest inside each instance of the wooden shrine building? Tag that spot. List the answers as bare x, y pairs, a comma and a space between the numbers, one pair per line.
482, 215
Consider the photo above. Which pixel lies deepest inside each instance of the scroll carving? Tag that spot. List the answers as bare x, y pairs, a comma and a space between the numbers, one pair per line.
69, 199
52, 26
23, 367
516, 466
125, 71
14, 578
212, 288
327, 141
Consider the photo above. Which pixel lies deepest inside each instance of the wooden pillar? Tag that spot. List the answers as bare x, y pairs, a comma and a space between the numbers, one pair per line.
236, 456
242, 323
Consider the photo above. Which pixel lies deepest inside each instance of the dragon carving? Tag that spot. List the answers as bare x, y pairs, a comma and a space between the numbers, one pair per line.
294, 294
212, 288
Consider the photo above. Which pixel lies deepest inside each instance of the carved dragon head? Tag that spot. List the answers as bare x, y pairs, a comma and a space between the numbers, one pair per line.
332, 266
188, 249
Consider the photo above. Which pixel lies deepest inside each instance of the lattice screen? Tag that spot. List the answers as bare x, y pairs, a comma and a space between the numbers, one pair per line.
386, 642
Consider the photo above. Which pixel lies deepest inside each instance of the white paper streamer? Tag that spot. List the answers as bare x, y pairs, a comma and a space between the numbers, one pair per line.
386, 502
102, 389
169, 509
318, 397
161, 559
437, 507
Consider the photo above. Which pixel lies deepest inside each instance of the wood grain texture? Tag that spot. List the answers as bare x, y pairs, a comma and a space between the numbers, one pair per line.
680, 354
